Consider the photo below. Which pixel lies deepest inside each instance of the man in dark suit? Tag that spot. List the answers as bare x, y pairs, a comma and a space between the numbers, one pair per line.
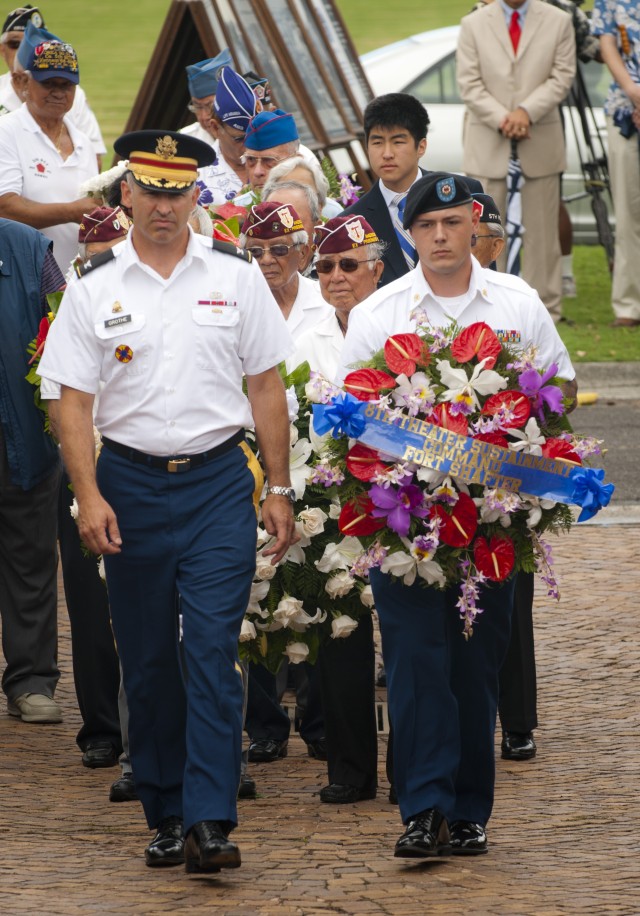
395, 131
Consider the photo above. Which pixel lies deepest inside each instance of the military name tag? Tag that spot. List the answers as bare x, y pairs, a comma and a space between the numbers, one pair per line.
113, 322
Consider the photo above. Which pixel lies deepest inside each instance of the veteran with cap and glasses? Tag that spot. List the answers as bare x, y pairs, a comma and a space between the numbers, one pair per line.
443, 689
349, 266
44, 158
11, 93
274, 235
167, 325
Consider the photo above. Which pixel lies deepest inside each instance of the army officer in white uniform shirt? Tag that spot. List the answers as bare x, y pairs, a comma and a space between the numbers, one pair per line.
168, 323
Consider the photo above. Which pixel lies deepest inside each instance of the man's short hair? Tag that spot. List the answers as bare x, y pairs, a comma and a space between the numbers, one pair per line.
397, 109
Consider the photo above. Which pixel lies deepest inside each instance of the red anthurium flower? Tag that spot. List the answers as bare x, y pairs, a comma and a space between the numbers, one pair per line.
228, 210
442, 416
366, 384
364, 462
515, 403
404, 351
457, 527
495, 558
477, 340
493, 439
43, 330
560, 448
223, 233
355, 518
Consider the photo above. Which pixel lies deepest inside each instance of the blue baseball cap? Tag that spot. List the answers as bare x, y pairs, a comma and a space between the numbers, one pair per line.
269, 129
203, 76
235, 103
46, 56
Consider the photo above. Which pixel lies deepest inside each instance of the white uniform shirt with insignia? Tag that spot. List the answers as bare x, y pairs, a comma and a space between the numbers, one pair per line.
31, 166
506, 303
187, 340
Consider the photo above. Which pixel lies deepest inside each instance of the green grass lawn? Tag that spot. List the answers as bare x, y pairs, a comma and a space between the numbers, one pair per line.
114, 41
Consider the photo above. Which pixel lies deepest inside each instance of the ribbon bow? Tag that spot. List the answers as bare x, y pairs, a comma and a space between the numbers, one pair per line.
590, 493
343, 416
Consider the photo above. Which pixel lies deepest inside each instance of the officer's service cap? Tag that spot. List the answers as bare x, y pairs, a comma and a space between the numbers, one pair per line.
162, 160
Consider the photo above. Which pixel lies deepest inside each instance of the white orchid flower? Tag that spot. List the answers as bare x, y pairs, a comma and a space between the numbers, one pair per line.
298, 467
339, 556
259, 591
400, 564
414, 393
535, 511
462, 389
531, 439
293, 405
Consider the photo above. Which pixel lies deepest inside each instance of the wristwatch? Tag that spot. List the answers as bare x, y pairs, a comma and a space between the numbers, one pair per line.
289, 492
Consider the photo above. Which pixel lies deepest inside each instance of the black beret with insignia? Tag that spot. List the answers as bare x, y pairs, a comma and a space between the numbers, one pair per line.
435, 191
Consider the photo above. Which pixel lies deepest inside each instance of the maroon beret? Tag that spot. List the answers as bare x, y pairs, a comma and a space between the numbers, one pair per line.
343, 233
270, 220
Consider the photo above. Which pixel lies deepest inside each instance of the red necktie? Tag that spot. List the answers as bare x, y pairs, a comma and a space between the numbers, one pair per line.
514, 30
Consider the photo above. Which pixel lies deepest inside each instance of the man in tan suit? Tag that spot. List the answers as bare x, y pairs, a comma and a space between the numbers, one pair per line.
516, 61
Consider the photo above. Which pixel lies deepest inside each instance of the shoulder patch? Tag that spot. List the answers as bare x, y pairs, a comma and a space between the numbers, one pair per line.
103, 258
230, 248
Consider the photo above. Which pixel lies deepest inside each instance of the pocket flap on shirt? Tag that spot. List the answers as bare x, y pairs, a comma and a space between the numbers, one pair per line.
220, 316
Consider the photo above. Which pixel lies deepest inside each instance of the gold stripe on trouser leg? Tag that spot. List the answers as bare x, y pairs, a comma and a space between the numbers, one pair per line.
254, 466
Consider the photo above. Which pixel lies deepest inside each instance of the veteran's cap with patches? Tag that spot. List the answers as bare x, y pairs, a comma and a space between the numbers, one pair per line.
162, 160
260, 86
435, 191
19, 19
343, 233
486, 209
104, 224
270, 220
46, 56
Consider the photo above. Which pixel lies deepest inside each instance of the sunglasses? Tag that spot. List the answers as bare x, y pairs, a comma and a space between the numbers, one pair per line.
348, 265
14, 44
276, 251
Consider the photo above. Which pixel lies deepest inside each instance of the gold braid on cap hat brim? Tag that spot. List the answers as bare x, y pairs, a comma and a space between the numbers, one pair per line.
149, 168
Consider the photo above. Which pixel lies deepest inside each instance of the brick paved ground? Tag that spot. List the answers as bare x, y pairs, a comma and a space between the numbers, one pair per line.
564, 837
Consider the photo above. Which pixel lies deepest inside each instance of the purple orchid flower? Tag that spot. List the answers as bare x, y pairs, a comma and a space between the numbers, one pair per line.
398, 504
533, 385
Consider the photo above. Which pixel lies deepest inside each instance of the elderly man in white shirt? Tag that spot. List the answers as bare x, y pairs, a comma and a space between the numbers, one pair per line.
274, 235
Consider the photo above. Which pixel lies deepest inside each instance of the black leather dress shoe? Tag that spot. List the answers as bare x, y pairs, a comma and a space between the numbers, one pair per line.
247, 787
264, 750
123, 789
337, 794
99, 754
317, 749
427, 835
468, 839
518, 746
167, 846
208, 849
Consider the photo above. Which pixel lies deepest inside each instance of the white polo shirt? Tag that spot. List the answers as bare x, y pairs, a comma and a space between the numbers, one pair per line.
308, 309
320, 346
31, 166
506, 303
80, 112
170, 353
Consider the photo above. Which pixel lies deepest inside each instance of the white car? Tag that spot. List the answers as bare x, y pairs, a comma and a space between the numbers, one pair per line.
424, 65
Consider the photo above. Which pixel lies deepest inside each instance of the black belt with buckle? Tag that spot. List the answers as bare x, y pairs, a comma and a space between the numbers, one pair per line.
177, 464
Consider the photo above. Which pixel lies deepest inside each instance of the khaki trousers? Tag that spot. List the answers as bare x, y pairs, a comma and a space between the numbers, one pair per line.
624, 169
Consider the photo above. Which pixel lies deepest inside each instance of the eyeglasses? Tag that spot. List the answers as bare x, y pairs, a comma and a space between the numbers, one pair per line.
195, 107
348, 265
487, 235
267, 161
276, 251
13, 43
